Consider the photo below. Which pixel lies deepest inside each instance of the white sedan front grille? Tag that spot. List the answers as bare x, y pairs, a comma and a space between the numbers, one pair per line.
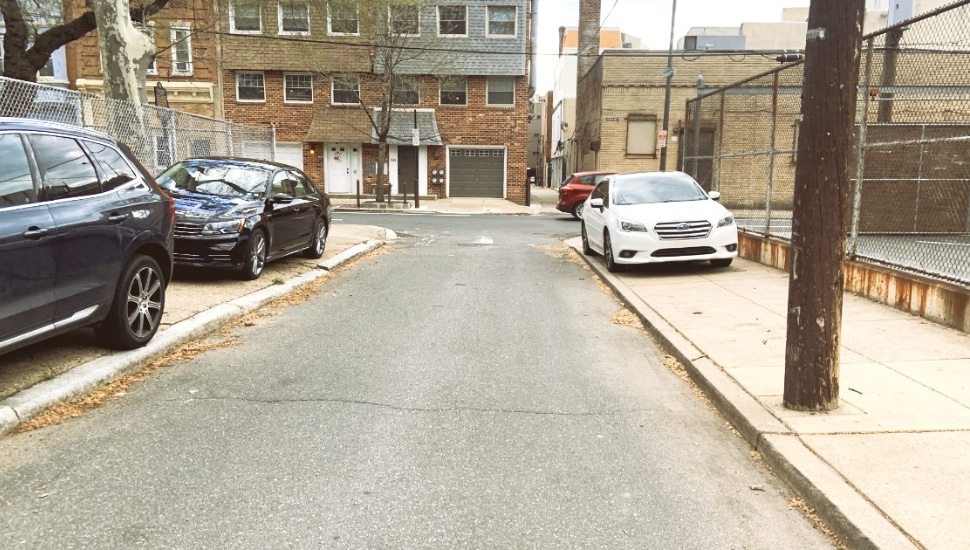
683, 230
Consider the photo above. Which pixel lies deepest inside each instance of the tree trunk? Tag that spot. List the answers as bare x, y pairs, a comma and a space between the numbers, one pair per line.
819, 222
125, 51
381, 159
125, 55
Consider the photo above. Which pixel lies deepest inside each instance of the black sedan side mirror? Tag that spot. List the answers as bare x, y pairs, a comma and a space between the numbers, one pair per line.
282, 198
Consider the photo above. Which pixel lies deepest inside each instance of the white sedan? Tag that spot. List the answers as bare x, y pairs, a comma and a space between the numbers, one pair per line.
650, 217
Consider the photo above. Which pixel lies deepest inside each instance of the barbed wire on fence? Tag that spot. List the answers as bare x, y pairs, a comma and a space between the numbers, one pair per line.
910, 165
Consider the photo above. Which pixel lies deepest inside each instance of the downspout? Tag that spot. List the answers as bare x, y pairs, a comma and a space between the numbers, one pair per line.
218, 109
533, 56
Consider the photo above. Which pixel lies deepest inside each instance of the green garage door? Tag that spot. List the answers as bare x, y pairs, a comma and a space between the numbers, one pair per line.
477, 173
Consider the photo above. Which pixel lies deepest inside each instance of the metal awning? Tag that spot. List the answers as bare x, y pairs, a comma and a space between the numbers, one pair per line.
402, 127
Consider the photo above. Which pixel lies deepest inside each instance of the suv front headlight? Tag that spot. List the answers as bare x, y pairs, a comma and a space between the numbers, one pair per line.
223, 228
725, 221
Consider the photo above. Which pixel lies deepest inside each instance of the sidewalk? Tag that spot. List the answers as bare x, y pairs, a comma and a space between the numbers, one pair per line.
543, 200
891, 467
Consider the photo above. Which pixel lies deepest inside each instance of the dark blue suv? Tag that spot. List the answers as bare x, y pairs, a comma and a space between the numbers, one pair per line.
86, 237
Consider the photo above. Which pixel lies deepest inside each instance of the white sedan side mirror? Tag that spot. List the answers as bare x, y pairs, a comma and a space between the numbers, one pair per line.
714, 195
596, 203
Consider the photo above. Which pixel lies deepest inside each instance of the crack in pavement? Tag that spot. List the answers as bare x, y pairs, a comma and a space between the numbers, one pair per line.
412, 409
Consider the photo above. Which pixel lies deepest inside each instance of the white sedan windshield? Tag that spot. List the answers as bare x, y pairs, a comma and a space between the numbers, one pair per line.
656, 189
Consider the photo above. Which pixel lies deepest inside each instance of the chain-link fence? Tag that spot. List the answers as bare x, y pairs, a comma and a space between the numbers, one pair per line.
158, 136
910, 165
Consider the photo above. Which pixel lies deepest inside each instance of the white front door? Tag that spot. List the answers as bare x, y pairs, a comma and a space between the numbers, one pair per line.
342, 167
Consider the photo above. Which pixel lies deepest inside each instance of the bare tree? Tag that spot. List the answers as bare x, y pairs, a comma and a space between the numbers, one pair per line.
819, 219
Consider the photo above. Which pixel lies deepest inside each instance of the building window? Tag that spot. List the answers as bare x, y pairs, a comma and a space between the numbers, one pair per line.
250, 87
152, 68
48, 69
453, 20
163, 152
342, 19
297, 88
181, 51
245, 17
404, 20
501, 90
346, 90
454, 90
501, 20
406, 93
641, 134
294, 18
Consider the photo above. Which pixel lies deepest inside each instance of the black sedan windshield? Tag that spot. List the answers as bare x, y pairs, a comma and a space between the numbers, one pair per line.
222, 179
656, 188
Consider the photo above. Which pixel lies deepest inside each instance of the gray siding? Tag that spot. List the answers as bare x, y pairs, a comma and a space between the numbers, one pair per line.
474, 54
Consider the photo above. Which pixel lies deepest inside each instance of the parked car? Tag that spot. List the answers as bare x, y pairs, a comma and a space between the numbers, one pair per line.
651, 217
574, 190
240, 213
86, 237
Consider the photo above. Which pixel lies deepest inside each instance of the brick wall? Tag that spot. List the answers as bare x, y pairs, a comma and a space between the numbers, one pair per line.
84, 55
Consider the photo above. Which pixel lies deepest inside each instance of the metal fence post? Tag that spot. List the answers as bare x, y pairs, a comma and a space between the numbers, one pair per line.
860, 154
272, 126
697, 123
716, 179
771, 152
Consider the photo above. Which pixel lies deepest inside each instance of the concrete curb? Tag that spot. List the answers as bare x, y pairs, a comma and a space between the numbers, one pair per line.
852, 518
24, 405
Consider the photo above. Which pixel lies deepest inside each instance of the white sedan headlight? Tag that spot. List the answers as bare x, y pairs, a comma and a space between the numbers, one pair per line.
223, 228
627, 225
726, 221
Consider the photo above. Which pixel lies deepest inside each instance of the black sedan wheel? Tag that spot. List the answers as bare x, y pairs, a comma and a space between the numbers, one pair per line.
138, 304
319, 243
256, 258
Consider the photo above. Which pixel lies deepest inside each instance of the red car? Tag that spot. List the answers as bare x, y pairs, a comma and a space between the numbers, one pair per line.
574, 190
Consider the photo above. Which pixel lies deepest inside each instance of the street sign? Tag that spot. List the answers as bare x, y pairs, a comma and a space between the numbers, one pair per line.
669, 72
662, 139
415, 137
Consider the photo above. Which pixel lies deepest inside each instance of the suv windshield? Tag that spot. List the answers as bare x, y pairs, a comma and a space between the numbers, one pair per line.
216, 179
655, 189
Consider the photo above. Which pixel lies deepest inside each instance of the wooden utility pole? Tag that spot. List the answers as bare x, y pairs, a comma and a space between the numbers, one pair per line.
821, 204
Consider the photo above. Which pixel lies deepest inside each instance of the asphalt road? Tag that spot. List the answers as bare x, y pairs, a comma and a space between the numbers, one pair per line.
465, 388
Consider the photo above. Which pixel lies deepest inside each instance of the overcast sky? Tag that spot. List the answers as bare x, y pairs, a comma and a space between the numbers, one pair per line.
648, 20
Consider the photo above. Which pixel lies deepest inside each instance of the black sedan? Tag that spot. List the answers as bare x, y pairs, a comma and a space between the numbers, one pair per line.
240, 213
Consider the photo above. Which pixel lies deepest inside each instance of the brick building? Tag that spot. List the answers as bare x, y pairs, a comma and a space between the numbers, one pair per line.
184, 66
620, 104
316, 72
